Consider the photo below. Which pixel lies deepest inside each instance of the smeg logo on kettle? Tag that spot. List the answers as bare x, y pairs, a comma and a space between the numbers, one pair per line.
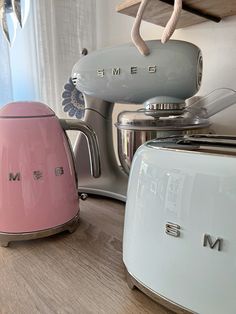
37, 174
14, 177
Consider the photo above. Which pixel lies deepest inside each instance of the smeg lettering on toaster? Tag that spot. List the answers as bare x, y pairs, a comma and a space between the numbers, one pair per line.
36, 174
173, 230
207, 241
116, 71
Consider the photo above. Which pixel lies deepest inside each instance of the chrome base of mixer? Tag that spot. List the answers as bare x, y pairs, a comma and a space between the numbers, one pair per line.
6, 238
134, 283
115, 188
107, 192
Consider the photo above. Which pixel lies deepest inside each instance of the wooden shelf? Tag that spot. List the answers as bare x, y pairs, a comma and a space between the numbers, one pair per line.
159, 11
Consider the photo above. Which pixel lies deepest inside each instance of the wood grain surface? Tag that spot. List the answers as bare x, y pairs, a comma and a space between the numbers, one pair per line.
73, 273
158, 12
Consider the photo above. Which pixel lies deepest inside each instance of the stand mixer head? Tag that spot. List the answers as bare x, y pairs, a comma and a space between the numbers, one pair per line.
120, 74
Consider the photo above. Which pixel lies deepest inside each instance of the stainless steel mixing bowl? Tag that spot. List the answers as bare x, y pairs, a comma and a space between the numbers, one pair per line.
134, 128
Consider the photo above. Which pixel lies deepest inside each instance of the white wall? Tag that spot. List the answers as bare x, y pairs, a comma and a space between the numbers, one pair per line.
216, 40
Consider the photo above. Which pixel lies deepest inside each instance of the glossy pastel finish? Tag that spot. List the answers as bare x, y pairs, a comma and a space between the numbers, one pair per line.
28, 109
29, 144
197, 191
122, 74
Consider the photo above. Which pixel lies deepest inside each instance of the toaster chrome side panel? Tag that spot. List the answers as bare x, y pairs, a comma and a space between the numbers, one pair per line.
196, 191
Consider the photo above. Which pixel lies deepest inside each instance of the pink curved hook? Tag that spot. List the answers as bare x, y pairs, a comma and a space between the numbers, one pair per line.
167, 33
135, 32
172, 23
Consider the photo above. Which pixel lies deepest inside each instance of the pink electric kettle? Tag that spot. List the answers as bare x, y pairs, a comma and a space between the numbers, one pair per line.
38, 183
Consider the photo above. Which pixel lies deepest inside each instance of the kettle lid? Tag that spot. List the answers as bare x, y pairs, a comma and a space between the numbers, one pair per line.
25, 109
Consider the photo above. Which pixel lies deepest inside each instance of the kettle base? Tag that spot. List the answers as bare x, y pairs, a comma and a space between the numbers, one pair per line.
134, 283
6, 238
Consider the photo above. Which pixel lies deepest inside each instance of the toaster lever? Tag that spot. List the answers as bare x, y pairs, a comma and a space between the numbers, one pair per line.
223, 140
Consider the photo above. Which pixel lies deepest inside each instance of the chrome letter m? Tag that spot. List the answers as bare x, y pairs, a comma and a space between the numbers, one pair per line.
208, 240
14, 177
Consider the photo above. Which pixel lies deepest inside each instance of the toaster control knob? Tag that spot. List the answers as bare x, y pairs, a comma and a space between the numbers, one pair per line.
83, 196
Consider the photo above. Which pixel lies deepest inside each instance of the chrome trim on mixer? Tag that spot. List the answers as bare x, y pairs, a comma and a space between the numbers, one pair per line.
6, 238
135, 283
165, 106
199, 70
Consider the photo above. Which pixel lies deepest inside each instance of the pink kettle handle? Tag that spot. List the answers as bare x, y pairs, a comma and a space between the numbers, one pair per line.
75, 125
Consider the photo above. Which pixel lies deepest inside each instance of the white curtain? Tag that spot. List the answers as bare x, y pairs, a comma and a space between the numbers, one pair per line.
40, 61
6, 93
18, 75
62, 28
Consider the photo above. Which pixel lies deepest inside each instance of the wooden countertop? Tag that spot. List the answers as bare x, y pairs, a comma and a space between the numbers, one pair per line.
73, 273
